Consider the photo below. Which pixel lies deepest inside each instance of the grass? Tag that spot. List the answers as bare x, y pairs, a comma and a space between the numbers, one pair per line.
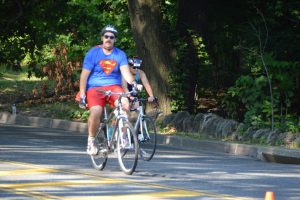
15, 83
17, 87
67, 110
10, 75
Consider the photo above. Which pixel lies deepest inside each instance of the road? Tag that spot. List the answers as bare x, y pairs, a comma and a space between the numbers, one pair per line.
41, 163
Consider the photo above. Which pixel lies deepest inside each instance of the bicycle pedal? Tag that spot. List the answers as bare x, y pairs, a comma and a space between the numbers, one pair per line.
144, 140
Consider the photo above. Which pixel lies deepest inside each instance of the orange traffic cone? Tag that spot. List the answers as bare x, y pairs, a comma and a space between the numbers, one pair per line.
269, 196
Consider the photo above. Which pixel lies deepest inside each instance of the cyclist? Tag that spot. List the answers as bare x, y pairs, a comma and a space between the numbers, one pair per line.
140, 77
103, 68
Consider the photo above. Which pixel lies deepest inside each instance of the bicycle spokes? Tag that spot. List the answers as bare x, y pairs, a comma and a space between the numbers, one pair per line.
127, 147
148, 144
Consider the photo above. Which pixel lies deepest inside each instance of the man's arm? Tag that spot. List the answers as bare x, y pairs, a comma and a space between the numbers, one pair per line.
83, 81
125, 71
146, 84
82, 88
124, 85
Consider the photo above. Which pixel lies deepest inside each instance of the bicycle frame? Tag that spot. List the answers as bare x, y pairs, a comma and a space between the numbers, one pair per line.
116, 114
139, 120
145, 130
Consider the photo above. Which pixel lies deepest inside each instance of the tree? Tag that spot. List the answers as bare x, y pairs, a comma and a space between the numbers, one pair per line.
190, 60
146, 24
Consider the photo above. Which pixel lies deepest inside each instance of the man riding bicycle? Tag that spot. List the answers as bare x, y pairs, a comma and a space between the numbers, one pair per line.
103, 68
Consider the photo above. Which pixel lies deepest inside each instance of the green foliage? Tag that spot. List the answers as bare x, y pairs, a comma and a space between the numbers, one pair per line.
100, 13
250, 95
78, 114
188, 63
177, 80
296, 144
77, 21
170, 11
15, 44
290, 124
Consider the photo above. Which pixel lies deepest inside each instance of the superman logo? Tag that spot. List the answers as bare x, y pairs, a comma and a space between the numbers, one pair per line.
108, 65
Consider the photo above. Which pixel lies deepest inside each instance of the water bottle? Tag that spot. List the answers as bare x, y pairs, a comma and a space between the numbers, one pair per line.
110, 132
14, 109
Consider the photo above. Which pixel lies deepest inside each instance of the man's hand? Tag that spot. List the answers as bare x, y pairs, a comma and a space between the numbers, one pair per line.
151, 99
155, 101
82, 102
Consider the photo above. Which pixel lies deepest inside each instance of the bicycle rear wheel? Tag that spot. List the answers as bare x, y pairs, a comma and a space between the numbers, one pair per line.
127, 147
99, 160
148, 139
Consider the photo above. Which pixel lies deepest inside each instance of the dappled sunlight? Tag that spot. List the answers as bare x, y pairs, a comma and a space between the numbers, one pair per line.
60, 168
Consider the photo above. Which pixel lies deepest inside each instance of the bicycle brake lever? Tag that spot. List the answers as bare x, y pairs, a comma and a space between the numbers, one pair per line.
108, 92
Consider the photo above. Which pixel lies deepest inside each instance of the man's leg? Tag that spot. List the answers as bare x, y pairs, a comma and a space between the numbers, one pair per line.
93, 125
125, 104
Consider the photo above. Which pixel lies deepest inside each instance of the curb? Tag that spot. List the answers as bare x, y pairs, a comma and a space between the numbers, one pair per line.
268, 154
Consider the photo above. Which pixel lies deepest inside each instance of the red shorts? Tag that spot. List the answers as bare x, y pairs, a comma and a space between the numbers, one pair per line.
95, 98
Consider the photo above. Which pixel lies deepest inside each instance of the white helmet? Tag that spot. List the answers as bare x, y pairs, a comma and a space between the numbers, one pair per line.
109, 28
135, 62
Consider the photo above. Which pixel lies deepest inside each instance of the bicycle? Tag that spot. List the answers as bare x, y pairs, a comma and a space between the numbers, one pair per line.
145, 129
123, 138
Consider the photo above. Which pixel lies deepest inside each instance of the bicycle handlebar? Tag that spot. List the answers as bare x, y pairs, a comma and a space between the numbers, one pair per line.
109, 92
136, 99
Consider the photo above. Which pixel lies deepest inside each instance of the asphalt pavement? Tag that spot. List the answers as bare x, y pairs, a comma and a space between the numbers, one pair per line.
268, 154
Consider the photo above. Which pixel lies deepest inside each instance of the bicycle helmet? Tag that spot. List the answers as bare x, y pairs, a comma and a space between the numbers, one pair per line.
135, 62
109, 28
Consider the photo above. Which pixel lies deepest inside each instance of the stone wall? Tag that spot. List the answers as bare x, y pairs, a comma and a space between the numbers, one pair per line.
213, 126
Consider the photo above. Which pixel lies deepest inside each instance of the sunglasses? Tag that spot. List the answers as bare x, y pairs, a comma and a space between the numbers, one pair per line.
109, 36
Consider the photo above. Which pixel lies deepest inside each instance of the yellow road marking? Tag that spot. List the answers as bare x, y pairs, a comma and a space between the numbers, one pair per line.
26, 171
21, 193
29, 193
144, 196
155, 196
61, 183
20, 164
173, 192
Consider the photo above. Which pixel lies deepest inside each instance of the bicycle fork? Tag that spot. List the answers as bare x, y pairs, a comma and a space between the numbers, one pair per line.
126, 140
141, 128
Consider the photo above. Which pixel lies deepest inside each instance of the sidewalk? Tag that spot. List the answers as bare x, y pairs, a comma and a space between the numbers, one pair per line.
269, 154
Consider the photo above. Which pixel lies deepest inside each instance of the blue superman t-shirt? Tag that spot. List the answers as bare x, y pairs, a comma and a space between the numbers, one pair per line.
105, 69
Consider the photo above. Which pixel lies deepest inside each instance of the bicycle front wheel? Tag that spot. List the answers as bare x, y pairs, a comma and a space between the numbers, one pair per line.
147, 137
127, 147
99, 160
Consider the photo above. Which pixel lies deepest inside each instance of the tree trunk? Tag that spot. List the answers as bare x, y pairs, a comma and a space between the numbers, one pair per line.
145, 18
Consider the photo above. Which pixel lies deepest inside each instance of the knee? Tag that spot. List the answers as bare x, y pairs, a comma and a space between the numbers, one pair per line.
95, 113
125, 104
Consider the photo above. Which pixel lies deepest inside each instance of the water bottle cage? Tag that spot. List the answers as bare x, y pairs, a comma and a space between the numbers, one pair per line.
102, 125
116, 112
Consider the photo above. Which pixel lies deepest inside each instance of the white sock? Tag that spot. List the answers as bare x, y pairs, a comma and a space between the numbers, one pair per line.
91, 138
